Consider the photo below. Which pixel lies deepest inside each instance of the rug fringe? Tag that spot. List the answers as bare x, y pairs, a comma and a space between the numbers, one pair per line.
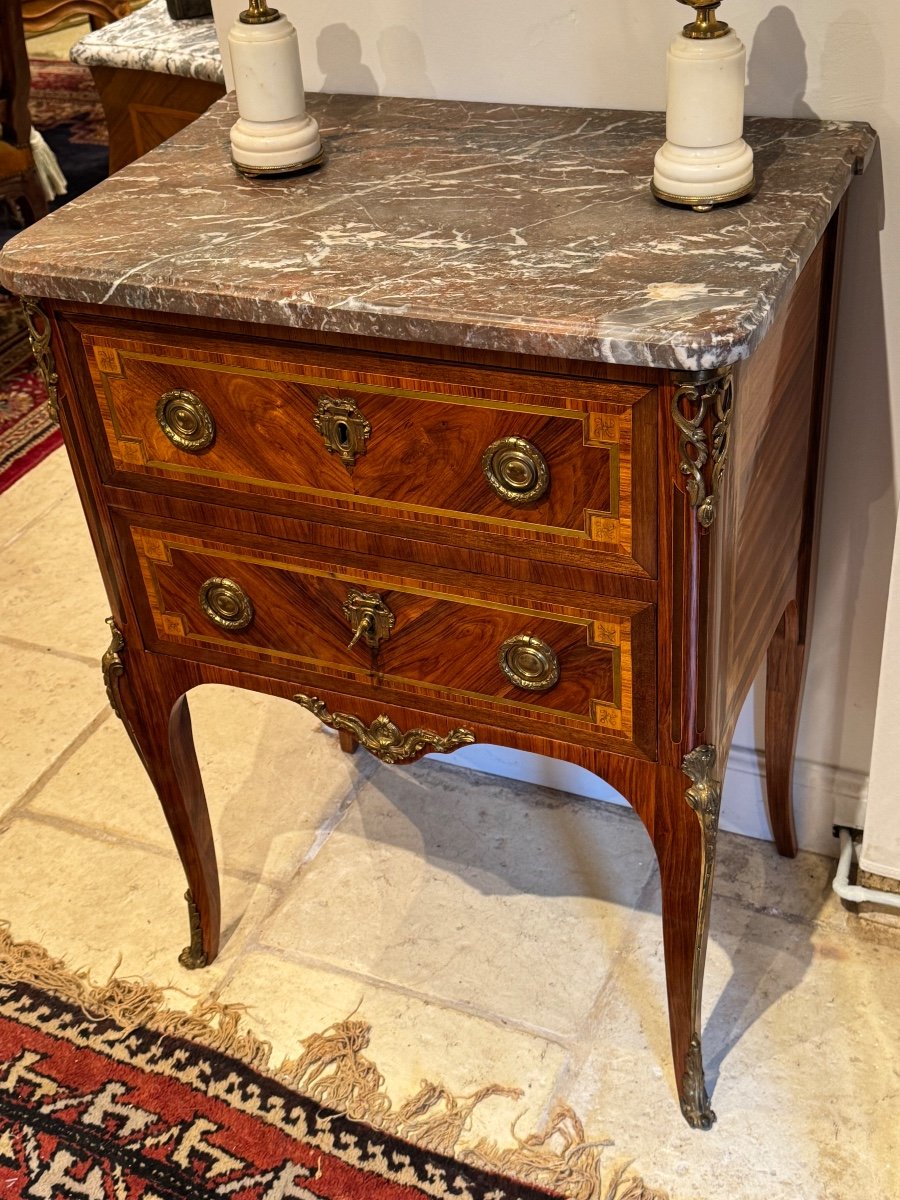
334, 1071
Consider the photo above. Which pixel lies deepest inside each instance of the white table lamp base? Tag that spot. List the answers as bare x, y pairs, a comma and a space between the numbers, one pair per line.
705, 160
274, 134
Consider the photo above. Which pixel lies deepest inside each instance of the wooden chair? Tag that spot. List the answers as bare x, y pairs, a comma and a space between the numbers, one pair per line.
41, 15
19, 181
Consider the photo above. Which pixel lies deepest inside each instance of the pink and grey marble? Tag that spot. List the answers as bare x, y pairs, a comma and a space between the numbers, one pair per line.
520, 229
149, 40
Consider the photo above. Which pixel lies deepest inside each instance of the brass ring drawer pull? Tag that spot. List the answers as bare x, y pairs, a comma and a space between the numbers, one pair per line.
529, 663
516, 470
186, 421
226, 604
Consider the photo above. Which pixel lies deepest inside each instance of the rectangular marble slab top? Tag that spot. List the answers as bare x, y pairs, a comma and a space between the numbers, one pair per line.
149, 40
519, 229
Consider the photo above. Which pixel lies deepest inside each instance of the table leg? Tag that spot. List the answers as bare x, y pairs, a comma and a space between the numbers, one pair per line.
684, 826
348, 742
784, 687
148, 694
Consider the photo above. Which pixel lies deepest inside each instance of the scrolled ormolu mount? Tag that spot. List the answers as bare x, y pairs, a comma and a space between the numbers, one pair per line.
113, 668
193, 956
383, 739
701, 393
705, 798
38, 324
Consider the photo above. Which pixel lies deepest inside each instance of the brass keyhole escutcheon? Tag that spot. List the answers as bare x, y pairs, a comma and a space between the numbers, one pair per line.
226, 604
343, 427
529, 663
369, 618
516, 470
186, 421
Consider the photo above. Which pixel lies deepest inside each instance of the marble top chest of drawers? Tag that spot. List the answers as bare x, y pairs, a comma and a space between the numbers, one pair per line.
462, 438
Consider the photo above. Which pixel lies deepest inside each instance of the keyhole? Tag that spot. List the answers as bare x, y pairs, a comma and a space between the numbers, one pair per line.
343, 433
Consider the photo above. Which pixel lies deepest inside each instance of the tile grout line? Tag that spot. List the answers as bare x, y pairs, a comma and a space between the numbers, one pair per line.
18, 806
23, 529
298, 958
97, 834
582, 1043
89, 660
252, 943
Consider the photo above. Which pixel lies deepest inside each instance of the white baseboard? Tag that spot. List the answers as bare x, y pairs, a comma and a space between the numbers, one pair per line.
824, 796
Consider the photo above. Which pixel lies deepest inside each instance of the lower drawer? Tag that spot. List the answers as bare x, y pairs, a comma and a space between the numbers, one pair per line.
478, 645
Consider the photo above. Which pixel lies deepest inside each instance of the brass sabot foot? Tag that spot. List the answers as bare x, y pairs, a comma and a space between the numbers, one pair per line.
193, 956
694, 1098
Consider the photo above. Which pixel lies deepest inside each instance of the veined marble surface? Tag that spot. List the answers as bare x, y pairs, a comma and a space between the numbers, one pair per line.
149, 40
519, 229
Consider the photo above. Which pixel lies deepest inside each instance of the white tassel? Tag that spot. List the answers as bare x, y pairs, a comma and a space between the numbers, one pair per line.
52, 179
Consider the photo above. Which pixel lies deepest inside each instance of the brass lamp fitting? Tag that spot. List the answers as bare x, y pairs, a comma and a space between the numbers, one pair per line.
705, 25
259, 13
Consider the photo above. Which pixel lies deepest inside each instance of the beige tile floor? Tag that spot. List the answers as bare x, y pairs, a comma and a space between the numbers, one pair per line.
489, 931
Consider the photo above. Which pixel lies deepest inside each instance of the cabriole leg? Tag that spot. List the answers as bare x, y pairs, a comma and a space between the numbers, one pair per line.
784, 687
684, 827
149, 696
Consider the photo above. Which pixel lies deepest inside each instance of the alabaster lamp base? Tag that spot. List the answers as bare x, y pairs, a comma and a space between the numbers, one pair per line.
274, 134
705, 160
703, 178
276, 147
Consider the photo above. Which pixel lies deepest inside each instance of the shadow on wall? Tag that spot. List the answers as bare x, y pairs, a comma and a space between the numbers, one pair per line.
403, 63
855, 559
401, 54
339, 52
777, 70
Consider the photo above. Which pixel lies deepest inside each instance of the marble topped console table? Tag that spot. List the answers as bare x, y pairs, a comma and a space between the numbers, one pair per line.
457, 439
154, 76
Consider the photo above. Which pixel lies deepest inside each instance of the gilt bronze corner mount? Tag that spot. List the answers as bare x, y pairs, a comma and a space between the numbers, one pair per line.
697, 396
38, 325
113, 668
705, 797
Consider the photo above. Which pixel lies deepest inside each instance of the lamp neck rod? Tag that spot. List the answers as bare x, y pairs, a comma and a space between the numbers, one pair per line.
259, 13
705, 25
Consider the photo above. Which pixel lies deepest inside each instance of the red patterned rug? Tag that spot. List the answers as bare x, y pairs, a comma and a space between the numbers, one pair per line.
27, 434
65, 107
107, 1095
63, 94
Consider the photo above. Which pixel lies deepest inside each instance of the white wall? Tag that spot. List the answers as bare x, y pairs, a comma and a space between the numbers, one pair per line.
881, 843
825, 58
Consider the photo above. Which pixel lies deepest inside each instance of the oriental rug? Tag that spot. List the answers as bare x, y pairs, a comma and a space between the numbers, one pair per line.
65, 107
105, 1094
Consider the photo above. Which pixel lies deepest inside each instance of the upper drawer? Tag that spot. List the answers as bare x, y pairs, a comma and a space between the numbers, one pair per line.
546, 465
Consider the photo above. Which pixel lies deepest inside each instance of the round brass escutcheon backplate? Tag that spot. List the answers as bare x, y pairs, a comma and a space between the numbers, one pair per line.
516, 470
226, 604
529, 663
186, 421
